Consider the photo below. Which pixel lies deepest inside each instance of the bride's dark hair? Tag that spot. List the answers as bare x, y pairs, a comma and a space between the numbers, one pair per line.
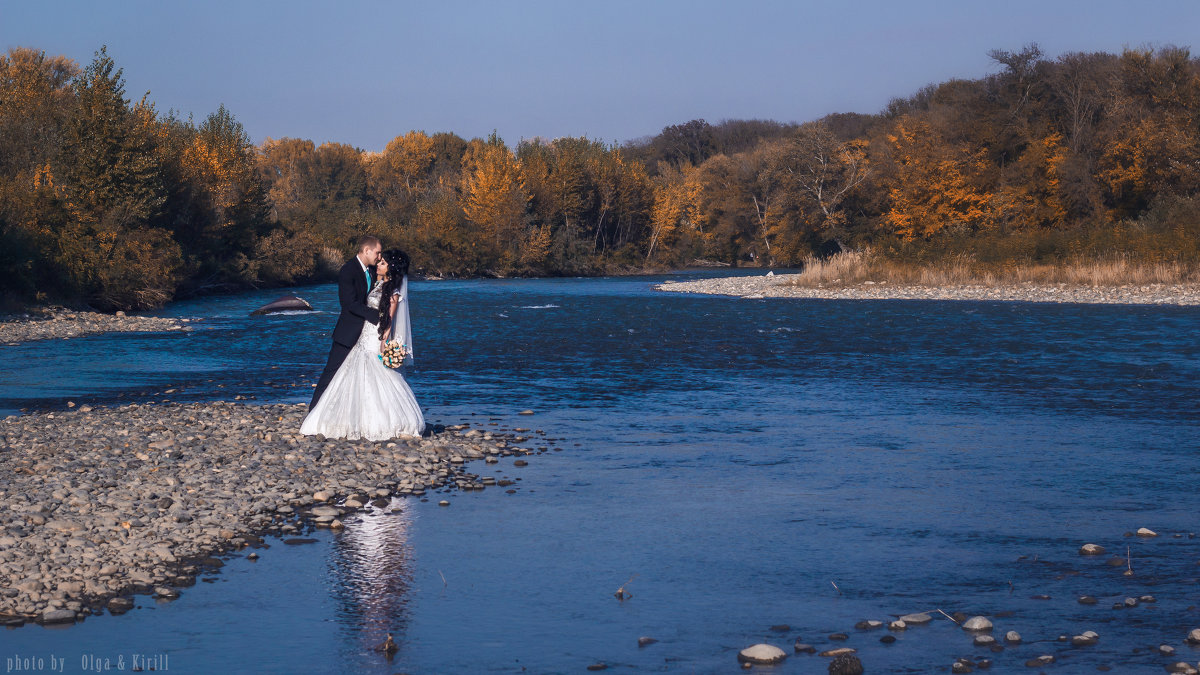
397, 261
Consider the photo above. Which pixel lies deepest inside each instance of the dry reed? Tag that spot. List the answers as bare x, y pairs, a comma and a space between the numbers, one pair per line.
856, 267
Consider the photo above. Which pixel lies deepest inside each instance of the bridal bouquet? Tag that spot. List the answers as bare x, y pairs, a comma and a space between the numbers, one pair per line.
393, 354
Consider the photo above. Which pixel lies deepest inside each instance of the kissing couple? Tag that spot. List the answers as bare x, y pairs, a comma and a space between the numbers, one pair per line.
358, 396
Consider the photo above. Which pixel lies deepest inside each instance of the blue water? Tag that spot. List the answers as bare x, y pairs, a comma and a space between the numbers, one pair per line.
736, 458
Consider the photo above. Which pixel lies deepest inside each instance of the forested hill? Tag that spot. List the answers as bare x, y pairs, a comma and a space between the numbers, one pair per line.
112, 203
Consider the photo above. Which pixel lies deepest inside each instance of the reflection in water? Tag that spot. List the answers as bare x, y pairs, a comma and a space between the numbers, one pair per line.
371, 574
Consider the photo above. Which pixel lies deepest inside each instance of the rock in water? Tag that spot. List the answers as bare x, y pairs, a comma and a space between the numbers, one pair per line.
977, 623
284, 304
1091, 549
1193, 637
911, 619
762, 653
845, 664
388, 646
58, 616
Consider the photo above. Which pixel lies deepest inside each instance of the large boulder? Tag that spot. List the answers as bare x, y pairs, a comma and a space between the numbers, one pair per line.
287, 303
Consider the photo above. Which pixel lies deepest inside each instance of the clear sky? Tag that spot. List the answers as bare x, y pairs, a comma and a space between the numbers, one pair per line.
362, 72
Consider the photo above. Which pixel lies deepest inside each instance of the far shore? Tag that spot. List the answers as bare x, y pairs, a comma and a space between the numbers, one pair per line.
59, 324
785, 286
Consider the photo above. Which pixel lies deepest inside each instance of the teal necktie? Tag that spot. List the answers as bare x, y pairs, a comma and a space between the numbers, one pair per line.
368, 273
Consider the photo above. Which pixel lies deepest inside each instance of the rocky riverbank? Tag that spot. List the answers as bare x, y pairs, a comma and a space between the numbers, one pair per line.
784, 286
62, 323
104, 503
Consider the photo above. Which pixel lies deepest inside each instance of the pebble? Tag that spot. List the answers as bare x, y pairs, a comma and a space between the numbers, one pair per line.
762, 654
785, 286
913, 619
1193, 637
984, 640
1091, 549
837, 652
97, 515
1146, 532
1012, 636
1087, 600
646, 641
897, 625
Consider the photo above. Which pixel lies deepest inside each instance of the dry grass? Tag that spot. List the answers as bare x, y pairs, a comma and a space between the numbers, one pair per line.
855, 267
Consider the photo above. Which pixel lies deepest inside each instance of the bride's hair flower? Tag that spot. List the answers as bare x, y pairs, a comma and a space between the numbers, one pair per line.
393, 354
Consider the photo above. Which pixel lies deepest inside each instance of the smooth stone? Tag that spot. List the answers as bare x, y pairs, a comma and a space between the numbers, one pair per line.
1193, 636
984, 640
57, 616
977, 623
322, 496
763, 654
839, 636
119, 605
1091, 549
1083, 641
887, 639
960, 667
1166, 650
1182, 668
1145, 532
838, 652
1087, 600
913, 619
897, 625
353, 504
646, 641
166, 593
1043, 660
868, 624
1131, 602
443, 503
1147, 598
802, 648
327, 511
1012, 636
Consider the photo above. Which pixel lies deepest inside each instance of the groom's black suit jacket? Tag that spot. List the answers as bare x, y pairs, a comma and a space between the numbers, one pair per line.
352, 295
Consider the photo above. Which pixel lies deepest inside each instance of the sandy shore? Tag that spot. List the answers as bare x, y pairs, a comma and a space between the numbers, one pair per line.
61, 324
102, 503
779, 286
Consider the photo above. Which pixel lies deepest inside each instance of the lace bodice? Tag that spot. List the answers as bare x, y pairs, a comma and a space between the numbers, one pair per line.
374, 295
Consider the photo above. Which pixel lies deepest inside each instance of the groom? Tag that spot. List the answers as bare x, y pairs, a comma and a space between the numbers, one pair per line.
354, 283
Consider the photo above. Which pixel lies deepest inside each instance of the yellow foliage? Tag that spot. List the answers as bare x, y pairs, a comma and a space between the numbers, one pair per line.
933, 189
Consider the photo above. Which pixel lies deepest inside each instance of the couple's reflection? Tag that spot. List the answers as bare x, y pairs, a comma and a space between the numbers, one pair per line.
372, 569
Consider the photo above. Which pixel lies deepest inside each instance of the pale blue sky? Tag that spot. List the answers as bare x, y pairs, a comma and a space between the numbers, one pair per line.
362, 72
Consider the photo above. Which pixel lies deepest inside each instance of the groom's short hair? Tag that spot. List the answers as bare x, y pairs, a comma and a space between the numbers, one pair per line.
368, 240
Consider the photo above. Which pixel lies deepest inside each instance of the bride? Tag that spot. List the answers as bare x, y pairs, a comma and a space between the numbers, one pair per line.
366, 399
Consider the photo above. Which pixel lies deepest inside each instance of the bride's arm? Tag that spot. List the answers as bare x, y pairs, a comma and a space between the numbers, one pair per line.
392, 326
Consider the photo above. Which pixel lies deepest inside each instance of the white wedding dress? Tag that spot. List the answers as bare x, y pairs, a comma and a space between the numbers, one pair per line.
366, 399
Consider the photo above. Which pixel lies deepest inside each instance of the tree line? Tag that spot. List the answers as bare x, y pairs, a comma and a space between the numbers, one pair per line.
109, 202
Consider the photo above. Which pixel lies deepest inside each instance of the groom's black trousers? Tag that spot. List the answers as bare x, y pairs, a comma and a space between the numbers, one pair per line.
337, 354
